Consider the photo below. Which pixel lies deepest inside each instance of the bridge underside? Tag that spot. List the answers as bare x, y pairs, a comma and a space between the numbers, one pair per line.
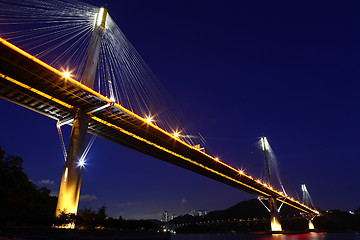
32, 84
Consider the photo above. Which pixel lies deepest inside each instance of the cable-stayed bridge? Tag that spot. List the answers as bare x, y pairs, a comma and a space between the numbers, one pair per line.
31, 83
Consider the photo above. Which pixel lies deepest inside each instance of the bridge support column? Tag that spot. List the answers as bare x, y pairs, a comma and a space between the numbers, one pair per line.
311, 226
274, 213
72, 173
274, 216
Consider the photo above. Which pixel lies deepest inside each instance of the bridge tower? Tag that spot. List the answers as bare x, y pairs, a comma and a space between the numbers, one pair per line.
274, 213
307, 200
72, 172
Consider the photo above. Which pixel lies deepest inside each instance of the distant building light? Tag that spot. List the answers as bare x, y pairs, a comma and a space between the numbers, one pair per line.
165, 216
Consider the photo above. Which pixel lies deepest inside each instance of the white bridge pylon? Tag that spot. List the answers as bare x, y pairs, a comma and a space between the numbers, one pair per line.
69, 192
272, 207
308, 201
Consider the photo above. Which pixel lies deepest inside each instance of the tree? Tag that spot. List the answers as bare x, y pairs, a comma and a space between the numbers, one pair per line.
21, 201
65, 218
100, 216
87, 218
357, 211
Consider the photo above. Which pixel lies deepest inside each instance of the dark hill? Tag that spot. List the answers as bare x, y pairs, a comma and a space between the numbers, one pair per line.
249, 209
243, 210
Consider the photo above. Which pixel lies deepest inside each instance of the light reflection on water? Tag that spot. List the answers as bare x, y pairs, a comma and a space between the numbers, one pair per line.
307, 236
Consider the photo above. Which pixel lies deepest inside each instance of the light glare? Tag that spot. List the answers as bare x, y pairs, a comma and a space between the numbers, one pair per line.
81, 163
149, 120
66, 74
311, 225
275, 225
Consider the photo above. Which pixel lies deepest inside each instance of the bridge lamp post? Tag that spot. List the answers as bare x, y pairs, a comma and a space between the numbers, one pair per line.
69, 192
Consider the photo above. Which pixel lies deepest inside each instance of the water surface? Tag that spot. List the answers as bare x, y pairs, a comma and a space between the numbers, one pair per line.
307, 236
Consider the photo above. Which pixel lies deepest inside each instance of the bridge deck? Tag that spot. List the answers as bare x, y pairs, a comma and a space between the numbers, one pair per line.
33, 84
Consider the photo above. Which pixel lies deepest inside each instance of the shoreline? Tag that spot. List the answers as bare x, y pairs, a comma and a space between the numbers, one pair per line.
96, 234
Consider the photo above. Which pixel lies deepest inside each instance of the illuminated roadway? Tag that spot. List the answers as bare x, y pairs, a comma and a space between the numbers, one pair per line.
31, 83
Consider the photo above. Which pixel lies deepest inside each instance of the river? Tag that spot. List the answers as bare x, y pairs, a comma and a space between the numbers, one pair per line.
307, 236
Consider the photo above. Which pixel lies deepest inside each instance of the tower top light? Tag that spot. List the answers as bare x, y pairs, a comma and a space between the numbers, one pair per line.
264, 143
101, 18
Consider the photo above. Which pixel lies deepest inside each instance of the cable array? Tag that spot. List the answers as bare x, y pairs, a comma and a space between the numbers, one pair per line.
277, 177
59, 32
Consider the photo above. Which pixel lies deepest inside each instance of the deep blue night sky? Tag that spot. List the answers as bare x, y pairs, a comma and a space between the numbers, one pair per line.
239, 70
